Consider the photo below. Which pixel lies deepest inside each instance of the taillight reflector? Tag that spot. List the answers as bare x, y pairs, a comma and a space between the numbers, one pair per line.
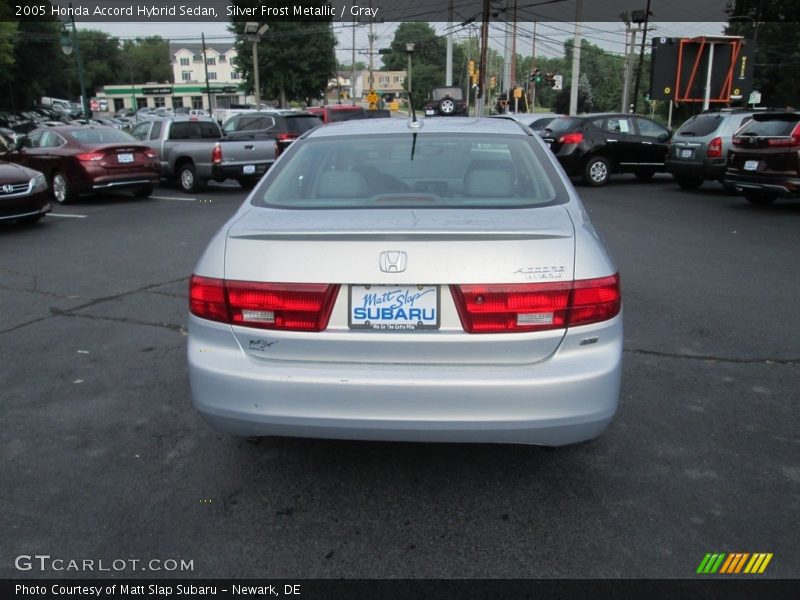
571, 138
151, 154
714, 148
536, 306
287, 306
90, 156
216, 154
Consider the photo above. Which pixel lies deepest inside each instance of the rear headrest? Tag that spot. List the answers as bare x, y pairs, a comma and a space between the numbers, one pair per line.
341, 184
489, 183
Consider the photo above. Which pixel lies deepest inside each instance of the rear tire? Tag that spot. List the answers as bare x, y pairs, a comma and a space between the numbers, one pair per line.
447, 106
760, 198
62, 192
187, 178
596, 171
143, 192
687, 183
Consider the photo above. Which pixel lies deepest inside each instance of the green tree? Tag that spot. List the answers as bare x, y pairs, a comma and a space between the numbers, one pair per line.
101, 58
777, 57
296, 59
145, 59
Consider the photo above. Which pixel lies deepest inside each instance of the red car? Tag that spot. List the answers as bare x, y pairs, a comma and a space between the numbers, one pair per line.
87, 159
23, 194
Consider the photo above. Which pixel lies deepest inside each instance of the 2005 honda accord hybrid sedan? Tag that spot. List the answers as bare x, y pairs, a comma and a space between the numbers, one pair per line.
418, 281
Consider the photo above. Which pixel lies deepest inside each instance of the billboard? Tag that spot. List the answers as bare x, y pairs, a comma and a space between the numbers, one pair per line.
679, 68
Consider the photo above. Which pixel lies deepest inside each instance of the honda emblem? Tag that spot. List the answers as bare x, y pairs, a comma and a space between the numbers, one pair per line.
393, 261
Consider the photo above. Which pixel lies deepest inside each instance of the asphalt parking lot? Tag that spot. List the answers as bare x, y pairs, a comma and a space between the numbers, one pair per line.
104, 458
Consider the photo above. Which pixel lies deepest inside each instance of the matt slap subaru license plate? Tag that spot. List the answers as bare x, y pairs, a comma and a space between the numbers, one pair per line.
394, 307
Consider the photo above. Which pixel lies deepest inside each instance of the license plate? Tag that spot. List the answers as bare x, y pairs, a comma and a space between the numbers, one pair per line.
394, 307
429, 113
125, 158
750, 165
686, 153
249, 169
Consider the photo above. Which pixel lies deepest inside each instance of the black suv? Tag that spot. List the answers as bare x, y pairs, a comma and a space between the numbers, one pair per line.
764, 162
446, 101
283, 126
596, 145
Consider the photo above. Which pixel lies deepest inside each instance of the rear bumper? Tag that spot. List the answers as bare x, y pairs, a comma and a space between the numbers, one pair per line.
693, 170
780, 186
128, 183
236, 171
568, 398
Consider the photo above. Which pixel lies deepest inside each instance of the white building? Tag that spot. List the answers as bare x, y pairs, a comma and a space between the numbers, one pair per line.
187, 63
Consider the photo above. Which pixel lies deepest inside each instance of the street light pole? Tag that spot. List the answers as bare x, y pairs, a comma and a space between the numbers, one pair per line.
409, 51
253, 32
67, 47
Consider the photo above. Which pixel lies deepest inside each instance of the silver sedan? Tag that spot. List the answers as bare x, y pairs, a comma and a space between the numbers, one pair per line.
417, 281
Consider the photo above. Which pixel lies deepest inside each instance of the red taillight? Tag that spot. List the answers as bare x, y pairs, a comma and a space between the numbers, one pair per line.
536, 306
571, 138
91, 156
287, 306
151, 154
216, 154
714, 148
283, 140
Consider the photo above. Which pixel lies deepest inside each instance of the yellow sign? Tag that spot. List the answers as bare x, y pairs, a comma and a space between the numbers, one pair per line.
517, 92
372, 98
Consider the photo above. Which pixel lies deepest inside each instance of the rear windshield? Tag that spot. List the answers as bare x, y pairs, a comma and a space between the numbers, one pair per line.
100, 135
345, 115
453, 92
700, 125
563, 124
775, 127
194, 130
301, 124
421, 170
540, 124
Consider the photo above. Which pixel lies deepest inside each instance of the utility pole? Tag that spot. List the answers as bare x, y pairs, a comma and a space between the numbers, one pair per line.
576, 60
448, 77
507, 57
481, 99
205, 65
353, 64
641, 58
630, 47
533, 68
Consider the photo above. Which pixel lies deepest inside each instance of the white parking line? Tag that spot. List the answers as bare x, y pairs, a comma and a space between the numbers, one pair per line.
177, 198
66, 215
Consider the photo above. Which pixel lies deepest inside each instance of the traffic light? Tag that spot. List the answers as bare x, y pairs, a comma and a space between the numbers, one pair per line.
536, 75
476, 76
550, 80
471, 67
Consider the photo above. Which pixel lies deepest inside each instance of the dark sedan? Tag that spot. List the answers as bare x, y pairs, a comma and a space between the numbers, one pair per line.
88, 159
23, 194
595, 145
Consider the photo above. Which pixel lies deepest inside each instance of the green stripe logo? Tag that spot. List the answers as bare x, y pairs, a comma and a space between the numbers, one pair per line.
734, 563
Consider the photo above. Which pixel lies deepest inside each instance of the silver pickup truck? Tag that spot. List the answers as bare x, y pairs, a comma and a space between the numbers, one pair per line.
193, 151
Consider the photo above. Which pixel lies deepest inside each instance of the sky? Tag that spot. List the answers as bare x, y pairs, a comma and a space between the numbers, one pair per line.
550, 37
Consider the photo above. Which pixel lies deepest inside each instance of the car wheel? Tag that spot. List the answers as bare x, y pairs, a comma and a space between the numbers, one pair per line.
596, 171
143, 192
447, 106
645, 174
188, 179
689, 183
62, 193
760, 198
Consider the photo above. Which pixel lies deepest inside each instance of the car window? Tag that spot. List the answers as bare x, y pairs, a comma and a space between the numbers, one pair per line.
404, 170
156, 130
301, 123
539, 124
100, 135
562, 124
619, 125
700, 125
31, 140
231, 125
346, 115
770, 127
453, 92
50, 140
140, 131
649, 129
